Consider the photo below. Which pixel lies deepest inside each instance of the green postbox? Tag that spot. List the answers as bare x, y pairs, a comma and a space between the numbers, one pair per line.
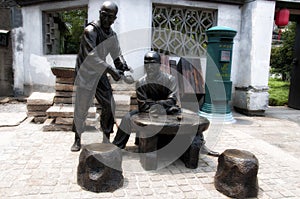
218, 70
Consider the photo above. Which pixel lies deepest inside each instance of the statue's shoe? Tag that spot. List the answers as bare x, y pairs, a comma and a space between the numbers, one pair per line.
207, 151
76, 146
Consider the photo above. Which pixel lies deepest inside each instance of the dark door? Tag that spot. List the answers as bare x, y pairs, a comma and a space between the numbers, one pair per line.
6, 72
294, 94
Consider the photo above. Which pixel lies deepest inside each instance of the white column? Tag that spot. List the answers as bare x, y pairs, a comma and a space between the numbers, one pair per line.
18, 59
251, 91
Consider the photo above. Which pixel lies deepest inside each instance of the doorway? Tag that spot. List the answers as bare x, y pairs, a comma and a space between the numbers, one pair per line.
294, 94
6, 71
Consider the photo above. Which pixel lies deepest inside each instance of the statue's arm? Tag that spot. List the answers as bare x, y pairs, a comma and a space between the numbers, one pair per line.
117, 56
87, 45
89, 39
172, 95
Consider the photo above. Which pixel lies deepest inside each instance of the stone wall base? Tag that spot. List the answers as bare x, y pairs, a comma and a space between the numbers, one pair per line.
252, 101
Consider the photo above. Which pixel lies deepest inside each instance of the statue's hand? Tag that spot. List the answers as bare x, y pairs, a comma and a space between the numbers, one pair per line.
128, 79
115, 73
121, 64
127, 68
173, 110
157, 109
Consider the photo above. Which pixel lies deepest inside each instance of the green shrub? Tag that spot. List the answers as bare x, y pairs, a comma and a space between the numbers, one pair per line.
278, 92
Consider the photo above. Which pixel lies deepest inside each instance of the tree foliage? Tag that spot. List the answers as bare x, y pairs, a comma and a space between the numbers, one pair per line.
282, 55
75, 21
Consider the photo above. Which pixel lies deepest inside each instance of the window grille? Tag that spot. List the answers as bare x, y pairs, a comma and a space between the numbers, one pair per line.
52, 33
181, 30
62, 30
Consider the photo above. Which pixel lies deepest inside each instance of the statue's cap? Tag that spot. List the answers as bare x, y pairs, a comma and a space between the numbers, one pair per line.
152, 57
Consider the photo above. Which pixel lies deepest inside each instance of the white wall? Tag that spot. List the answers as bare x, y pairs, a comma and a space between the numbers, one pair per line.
134, 35
255, 43
251, 95
134, 29
230, 16
262, 36
93, 9
133, 26
18, 62
36, 65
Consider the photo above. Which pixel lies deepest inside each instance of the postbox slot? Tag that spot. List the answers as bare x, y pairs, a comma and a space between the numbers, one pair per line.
226, 39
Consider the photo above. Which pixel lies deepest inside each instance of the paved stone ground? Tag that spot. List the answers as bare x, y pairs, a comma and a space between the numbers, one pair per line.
37, 164
12, 114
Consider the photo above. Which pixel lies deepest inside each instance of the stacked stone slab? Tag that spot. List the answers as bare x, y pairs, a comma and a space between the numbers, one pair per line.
60, 118
37, 105
64, 90
122, 105
64, 85
133, 102
123, 91
61, 114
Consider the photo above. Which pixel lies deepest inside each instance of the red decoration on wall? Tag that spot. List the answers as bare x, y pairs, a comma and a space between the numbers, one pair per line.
282, 17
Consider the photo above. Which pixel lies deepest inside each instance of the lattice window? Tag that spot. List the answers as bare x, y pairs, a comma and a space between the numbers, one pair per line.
181, 30
52, 33
62, 30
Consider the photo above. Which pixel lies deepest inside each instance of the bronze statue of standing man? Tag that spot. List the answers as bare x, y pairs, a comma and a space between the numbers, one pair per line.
98, 40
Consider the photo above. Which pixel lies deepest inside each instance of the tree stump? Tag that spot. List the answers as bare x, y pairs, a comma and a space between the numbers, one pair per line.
236, 174
100, 168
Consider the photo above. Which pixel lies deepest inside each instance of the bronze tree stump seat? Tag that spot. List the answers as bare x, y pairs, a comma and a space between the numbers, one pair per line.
236, 174
100, 168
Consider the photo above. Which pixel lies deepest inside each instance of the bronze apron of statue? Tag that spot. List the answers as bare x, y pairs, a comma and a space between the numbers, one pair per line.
156, 93
98, 40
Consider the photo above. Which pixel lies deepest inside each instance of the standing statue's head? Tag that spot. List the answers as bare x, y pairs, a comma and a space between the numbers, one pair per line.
152, 64
108, 14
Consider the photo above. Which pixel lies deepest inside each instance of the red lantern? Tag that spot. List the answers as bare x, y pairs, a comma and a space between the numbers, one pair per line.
282, 17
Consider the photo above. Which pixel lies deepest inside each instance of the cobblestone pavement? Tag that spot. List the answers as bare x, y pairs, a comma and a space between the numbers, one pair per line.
37, 164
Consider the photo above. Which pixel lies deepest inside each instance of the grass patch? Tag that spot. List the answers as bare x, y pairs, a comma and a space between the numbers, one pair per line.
278, 92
